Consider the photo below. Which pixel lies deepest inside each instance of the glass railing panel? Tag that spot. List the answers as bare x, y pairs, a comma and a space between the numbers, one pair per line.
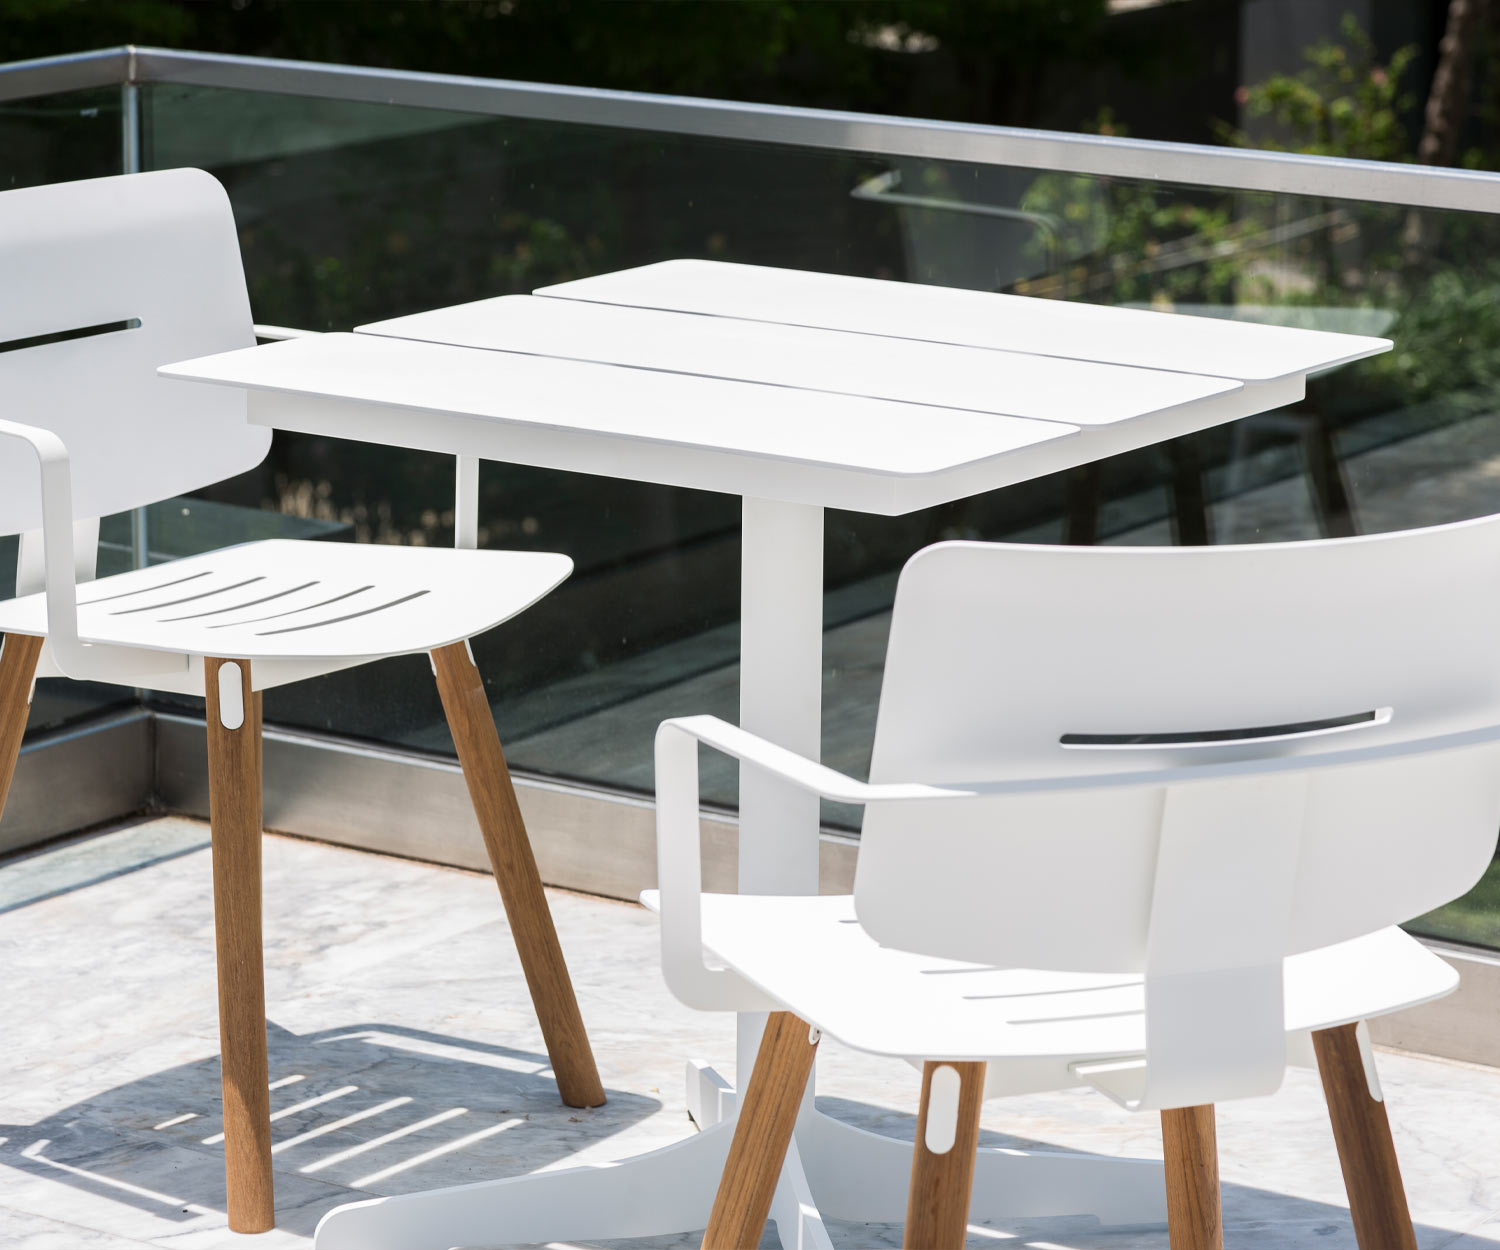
57, 138
353, 212
43, 139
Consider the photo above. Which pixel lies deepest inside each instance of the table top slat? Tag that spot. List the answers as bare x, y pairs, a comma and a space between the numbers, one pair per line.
1245, 351
581, 399
838, 362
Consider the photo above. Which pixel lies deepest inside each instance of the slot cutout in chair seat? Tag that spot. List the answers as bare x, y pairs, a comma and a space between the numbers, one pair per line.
143, 590
172, 603
67, 336
306, 607
1227, 737
237, 607
379, 607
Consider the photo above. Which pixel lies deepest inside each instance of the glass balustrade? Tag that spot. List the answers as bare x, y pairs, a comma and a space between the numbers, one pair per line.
352, 211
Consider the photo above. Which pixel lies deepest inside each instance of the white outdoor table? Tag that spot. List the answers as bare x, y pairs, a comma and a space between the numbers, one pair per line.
798, 392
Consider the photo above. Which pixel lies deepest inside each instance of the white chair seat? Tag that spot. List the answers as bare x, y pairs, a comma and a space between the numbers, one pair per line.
301, 607
813, 956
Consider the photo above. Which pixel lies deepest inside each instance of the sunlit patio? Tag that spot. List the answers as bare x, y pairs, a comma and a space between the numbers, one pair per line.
609, 425
405, 1055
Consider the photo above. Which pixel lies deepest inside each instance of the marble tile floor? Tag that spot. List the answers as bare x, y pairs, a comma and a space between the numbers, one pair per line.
404, 1056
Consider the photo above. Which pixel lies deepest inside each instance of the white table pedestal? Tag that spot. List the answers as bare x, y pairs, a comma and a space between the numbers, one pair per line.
833, 1169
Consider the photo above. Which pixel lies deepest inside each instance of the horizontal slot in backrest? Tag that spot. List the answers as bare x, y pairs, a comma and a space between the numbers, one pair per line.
1216, 737
106, 280
1000, 652
67, 336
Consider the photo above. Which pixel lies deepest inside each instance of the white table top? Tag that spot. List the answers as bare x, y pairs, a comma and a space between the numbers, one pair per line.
872, 416
935, 374
1122, 336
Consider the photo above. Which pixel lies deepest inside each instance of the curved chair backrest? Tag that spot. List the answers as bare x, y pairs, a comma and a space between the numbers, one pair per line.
101, 282
1065, 663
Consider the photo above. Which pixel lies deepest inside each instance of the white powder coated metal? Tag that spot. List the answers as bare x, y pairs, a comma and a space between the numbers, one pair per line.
1133, 642
818, 408
1165, 805
634, 423
1075, 331
151, 264
287, 600
794, 421
1033, 1025
100, 283
930, 374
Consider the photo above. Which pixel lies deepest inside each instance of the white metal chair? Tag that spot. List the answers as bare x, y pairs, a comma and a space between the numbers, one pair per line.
1137, 819
101, 282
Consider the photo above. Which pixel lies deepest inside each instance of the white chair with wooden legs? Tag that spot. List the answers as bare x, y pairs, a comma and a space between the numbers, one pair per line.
1137, 819
104, 281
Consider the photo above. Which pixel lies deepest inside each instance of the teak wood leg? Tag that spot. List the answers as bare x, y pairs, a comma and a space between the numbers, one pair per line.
494, 798
1191, 1150
942, 1165
762, 1133
18, 656
234, 800
1362, 1131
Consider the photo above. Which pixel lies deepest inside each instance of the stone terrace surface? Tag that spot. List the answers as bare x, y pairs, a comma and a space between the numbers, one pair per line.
404, 1055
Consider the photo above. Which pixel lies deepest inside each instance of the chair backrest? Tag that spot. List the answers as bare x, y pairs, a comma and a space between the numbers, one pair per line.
1065, 663
101, 282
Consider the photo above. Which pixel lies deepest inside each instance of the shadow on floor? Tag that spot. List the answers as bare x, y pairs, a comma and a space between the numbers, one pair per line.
1252, 1216
356, 1111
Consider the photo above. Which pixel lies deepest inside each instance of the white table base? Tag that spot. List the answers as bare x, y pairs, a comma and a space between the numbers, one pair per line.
849, 1173
832, 1169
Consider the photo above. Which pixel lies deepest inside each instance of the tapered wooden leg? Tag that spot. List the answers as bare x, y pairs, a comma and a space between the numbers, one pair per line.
762, 1133
1372, 1177
1194, 1219
494, 798
942, 1165
18, 656
234, 799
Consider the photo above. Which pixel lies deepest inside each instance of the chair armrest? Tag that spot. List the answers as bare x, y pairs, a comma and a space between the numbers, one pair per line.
77, 659
679, 860
798, 770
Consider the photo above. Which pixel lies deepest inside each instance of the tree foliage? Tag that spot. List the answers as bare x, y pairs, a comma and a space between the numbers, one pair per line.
976, 60
1344, 103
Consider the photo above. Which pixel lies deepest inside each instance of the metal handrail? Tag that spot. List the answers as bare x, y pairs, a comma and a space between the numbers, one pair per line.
1242, 169
109, 67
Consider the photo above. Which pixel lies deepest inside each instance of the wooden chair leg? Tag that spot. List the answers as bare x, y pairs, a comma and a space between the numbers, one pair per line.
1367, 1155
18, 656
762, 1133
942, 1165
494, 798
1194, 1218
234, 799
